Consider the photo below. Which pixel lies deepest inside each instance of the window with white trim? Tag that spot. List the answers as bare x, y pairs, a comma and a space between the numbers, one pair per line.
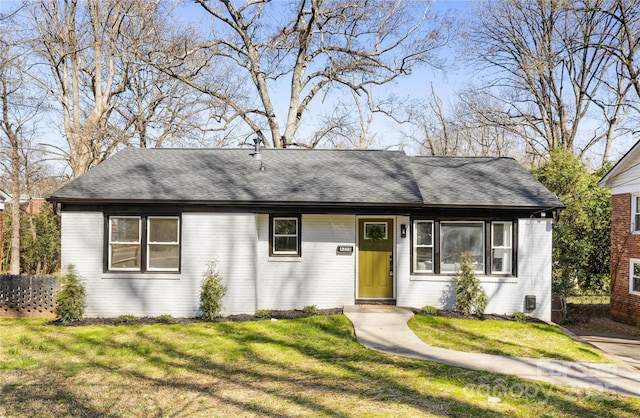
163, 243
437, 246
143, 243
501, 247
423, 248
124, 243
634, 276
635, 214
285, 235
375, 230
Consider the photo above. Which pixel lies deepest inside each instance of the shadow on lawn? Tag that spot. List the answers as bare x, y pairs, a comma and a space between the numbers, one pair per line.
476, 342
288, 368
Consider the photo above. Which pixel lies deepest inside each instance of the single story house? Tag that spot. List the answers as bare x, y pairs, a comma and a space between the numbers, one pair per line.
293, 228
624, 181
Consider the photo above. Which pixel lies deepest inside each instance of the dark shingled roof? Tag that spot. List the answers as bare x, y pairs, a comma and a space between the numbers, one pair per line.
310, 177
479, 182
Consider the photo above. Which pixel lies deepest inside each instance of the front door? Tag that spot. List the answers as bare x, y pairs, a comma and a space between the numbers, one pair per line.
375, 258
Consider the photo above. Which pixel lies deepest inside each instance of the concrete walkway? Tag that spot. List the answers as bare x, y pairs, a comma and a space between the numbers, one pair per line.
624, 348
384, 328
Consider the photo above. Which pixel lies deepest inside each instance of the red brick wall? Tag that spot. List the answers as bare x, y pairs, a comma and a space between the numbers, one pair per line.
624, 245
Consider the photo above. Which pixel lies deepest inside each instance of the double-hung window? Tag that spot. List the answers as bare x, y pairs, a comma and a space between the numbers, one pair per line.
163, 243
285, 235
635, 214
423, 248
634, 276
438, 246
124, 243
501, 247
143, 243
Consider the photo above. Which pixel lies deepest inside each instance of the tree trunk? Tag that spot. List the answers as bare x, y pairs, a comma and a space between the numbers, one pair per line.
14, 267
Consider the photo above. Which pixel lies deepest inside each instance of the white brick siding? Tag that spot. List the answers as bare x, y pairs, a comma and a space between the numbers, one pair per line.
320, 276
505, 295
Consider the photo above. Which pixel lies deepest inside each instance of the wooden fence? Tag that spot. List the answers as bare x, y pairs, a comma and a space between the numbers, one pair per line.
28, 296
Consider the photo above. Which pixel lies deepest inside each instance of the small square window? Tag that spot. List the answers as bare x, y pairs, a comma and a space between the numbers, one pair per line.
285, 235
375, 231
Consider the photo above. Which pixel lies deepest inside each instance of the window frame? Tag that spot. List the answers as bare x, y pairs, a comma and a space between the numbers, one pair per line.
632, 263
487, 242
167, 243
272, 220
143, 225
482, 240
501, 247
415, 246
635, 214
110, 242
373, 223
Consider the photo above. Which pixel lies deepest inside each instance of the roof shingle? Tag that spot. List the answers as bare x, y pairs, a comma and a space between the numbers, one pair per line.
340, 177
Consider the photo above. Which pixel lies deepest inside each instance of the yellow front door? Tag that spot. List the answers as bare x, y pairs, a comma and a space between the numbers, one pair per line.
375, 258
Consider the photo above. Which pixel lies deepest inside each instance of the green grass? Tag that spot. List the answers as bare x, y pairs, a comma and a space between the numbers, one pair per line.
589, 300
303, 367
509, 338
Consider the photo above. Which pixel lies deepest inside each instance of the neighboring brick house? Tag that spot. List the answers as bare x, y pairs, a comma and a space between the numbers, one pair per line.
624, 181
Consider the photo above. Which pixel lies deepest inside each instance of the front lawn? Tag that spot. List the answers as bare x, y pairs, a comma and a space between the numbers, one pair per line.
508, 338
302, 367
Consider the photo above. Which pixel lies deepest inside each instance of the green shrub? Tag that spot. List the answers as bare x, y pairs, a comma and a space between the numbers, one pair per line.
164, 319
310, 309
125, 319
263, 314
70, 297
429, 310
519, 316
211, 293
470, 297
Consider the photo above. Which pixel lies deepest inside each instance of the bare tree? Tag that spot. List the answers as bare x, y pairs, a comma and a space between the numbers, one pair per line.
546, 66
82, 47
261, 52
621, 42
155, 108
19, 108
624, 43
460, 129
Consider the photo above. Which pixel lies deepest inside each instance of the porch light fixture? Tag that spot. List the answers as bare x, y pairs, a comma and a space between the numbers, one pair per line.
403, 230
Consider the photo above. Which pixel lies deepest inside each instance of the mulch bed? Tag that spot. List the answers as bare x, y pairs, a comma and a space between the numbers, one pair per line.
484, 317
127, 320
275, 314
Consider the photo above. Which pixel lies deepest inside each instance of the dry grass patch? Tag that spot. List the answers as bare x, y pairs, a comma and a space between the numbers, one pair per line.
303, 367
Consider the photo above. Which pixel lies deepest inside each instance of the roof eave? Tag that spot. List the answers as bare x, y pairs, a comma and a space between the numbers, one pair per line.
224, 203
253, 203
604, 182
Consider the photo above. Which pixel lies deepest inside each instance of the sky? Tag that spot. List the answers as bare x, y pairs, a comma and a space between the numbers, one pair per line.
446, 82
